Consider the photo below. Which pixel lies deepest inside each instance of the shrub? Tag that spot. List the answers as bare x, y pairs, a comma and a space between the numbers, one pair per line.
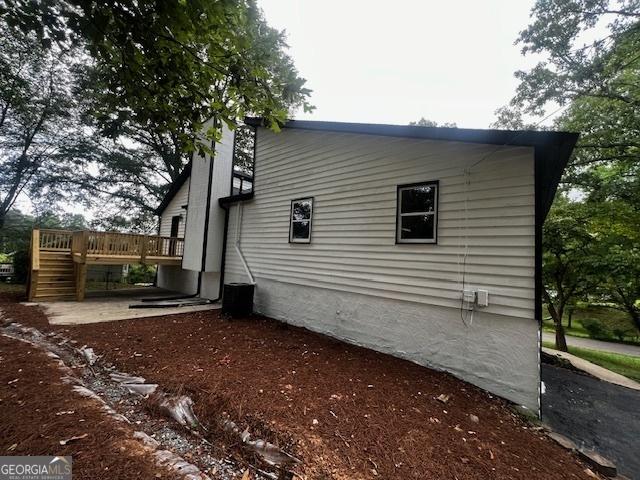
141, 274
595, 328
621, 333
21, 266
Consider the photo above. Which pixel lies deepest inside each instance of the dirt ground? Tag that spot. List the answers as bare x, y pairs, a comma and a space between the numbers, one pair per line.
346, 412
37, 411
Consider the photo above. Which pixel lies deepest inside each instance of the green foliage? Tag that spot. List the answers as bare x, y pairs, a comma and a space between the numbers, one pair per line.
573, 68
141, 274
172, 66
40, 137
423, 122
243, 151
568, 249
15, 236
598, 81
595, 328
151, 82
20, 266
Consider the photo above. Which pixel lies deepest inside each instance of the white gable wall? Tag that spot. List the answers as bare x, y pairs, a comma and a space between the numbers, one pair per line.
174, 208
185, 279
173, 277
353, 282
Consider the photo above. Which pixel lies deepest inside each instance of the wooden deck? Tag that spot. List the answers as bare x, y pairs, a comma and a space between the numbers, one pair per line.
59, 258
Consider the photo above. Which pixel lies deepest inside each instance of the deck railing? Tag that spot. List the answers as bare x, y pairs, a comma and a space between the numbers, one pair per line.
107, 244
90, 247
55, 240
133, 245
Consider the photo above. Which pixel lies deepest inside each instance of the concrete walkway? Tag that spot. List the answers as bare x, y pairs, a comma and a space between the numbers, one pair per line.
113, 305
594, 370
592, 344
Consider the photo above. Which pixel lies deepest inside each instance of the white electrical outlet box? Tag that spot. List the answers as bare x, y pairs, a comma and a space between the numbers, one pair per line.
482, 298
468, 299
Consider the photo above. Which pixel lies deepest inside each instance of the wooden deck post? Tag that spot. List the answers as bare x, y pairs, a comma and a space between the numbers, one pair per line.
34, 271
81, 267
143, 249
81, 280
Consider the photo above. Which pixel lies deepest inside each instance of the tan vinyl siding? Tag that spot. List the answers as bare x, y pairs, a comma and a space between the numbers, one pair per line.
175, 208
353, 179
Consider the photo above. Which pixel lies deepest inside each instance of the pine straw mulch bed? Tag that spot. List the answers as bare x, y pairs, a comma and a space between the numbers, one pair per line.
38, 410
346, 412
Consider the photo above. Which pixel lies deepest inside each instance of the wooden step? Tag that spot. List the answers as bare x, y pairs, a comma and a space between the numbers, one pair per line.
45, 298
58, 256
56, 264
55, 283
41, 290
53, 277
61, 266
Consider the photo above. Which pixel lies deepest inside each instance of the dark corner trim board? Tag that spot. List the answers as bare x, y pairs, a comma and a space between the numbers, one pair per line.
174, 188
235, 198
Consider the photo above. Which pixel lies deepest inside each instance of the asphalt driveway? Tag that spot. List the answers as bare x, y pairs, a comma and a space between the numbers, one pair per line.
612, 347
594, 414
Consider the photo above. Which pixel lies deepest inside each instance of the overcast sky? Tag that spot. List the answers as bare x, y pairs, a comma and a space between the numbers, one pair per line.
397, 61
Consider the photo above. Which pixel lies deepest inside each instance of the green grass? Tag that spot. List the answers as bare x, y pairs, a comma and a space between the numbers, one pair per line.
623, 364
609, 317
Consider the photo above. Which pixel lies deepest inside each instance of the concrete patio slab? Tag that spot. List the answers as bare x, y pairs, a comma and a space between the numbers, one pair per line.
112, 306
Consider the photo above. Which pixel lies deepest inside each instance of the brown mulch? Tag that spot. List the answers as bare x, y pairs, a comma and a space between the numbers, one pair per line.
37, 411
347, 412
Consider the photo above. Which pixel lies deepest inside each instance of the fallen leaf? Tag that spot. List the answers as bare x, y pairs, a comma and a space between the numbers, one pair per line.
79, 437
246, 475
12, 447
443, 398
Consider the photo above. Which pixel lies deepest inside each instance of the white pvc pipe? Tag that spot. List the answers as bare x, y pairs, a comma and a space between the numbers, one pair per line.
237, 245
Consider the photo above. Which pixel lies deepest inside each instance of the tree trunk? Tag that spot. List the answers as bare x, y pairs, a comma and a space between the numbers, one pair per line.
569, 317
635, 316
561, 341
556, 314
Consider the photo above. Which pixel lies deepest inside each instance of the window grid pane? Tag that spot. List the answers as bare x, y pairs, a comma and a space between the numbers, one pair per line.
301, 220
417, 213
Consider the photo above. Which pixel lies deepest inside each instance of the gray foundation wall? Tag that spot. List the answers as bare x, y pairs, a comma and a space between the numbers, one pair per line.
176, 279
496, 352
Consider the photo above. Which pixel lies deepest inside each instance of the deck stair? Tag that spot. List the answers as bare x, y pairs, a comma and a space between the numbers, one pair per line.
56, 279
59, 258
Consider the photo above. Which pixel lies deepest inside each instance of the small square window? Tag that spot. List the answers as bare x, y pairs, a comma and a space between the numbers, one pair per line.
300, 220
417, 213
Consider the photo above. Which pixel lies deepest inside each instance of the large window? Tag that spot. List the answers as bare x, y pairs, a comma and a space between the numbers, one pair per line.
300, 222
417, 213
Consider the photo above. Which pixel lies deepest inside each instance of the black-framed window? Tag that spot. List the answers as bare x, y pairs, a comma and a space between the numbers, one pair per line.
417, 213
300, 220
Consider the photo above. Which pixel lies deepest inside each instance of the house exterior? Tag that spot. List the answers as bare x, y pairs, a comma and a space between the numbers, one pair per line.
419, 242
